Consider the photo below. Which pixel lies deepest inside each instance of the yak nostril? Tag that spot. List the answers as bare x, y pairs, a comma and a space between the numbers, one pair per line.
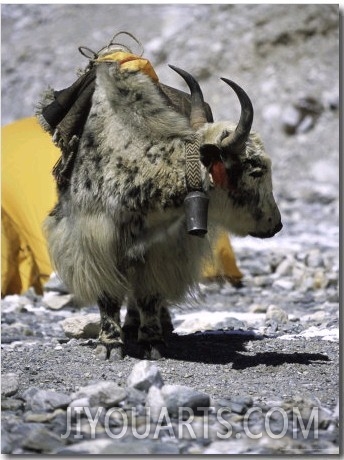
278, 227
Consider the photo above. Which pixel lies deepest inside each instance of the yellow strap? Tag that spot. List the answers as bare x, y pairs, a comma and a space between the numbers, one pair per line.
130, 61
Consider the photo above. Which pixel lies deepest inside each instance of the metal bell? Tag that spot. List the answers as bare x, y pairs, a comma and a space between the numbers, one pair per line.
196, 212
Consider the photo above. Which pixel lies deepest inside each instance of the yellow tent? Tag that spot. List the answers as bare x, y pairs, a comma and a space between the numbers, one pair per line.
28, 194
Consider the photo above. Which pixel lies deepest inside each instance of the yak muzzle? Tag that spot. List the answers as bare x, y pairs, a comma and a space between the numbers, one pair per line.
270, 233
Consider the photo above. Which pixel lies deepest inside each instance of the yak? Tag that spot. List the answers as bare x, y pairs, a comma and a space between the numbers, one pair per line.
122, 229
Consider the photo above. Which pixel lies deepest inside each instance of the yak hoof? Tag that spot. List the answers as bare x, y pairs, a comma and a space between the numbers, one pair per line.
112, 343
154, 351
113, 351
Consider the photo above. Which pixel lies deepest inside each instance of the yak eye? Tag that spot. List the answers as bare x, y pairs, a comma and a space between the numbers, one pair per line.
257, 172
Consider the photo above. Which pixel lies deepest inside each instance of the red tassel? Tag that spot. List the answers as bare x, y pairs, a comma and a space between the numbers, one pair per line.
219, 174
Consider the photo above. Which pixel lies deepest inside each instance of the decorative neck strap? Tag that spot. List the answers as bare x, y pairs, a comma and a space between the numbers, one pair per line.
196, 201
193, 165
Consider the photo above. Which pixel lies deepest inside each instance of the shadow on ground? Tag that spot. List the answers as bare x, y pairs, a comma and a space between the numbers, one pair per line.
221, 347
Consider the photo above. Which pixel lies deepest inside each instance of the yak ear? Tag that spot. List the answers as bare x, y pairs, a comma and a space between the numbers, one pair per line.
209, 153
181, 101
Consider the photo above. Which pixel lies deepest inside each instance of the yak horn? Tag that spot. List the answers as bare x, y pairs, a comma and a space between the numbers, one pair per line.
198, 114
235, 142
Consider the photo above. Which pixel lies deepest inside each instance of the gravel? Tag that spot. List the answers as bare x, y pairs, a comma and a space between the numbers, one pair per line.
262, 360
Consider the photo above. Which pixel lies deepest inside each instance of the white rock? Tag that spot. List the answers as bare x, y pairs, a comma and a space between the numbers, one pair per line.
210, 320
320, 280
9, 384
233, 446
258, 308
318, 316
80, 402
12, 303
104, 393
42, 440
45, 400
92, 447
55, 284
155, 402
330, 335
336, 411
287, 285
314, 259
285, 267
82, 326
277, 314
55, 301
179, 396
144, 375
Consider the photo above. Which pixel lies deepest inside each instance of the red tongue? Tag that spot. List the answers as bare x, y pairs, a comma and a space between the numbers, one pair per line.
219, 175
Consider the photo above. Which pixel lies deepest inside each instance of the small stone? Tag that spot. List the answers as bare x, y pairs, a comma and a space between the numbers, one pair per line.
231, 324
136, 397
43, 416
104, 393
55, 284
101, 352
290, 120
82, 326
262, 281
144, 375
314, 259
43, 440
45, 400
238, 408
236, 404
301, 117
56, 301
319, 280
94, 447
258, 308
332, 100
336, 411
178, 396
285, 267
233, 446
155, 402
9, 384
11, 404
305, 124
80, 402
276, 313
287, 285
107, 447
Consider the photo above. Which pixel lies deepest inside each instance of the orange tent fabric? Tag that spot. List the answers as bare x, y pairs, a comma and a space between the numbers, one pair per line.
28, 194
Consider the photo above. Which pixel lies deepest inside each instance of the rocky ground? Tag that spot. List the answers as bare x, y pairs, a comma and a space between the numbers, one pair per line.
264, 358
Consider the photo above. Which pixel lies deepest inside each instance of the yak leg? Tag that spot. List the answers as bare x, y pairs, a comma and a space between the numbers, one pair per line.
130, 331
145, 329
150, 334
110, 325
131, 323
166, 321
